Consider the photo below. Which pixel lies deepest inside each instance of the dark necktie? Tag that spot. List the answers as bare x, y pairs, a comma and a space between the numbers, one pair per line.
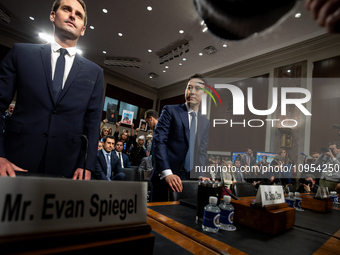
120, 159
59, 73
189, 159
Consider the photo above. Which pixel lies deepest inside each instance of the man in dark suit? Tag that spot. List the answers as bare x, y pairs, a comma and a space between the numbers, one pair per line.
180, 142
59, 99
248, 159
123, 158
108, 166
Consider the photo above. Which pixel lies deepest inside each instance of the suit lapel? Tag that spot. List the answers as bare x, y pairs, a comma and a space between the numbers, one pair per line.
46, 59
183, 113
199, 130
103, 161
77, 63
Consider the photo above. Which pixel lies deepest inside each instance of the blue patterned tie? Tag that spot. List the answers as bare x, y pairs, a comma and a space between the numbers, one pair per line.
189, 158
59, 73
108, 162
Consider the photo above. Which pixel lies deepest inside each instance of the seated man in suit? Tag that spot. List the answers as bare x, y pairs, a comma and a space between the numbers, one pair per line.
108, 166
124, 159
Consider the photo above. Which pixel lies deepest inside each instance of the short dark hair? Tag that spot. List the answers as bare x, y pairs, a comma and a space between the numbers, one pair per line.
151, 113
108, 136
237, 160
119, 141
336, 143
310, 176
197, 76
56, 5
248, 149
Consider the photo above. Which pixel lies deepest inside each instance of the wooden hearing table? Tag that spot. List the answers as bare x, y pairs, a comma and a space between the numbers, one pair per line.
176, 222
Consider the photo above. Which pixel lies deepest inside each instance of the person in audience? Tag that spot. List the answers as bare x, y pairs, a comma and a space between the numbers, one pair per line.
123, 158
238, 174
100, 145
227, 173
330, 162
146, 164
104, 132
286, 176
8, 114
124, 137
151, 117
309, 185
248, 159
138, 151
108, 166
110, 131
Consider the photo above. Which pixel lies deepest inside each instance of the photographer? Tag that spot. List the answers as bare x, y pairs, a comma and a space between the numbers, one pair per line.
330, 165
308, 185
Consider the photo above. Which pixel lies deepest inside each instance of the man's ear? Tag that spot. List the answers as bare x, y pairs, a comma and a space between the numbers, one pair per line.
52, 16
82, 31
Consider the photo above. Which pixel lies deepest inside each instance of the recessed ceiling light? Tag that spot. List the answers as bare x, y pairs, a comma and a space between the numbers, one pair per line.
181, 31
202, 22
180, 64
166, 67
164, 71
201, 54
120, 34
225, 46
79, 51
31, 18
149, 8
298, 15
104, 51
288, 71
149, 50
184, 59
150, 77
104, 10
92, 27
205, 29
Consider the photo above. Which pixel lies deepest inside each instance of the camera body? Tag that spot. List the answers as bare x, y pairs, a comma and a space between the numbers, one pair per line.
324, 150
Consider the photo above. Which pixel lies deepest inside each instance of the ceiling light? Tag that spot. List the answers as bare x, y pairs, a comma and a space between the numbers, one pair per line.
45, 37
202, 22
104, 10
79, 51
166, 67
205, 29
104, 51
149, 8
180, 64
288, 71
31, 18
92, 27
184, 59
298, 15
120, 34
225, 46
181, 31
164, 71
201, 54
152, 75
149, 50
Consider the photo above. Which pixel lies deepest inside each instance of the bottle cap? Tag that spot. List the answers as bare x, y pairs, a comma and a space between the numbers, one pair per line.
290, 194
226, 198
213, 200
297, 193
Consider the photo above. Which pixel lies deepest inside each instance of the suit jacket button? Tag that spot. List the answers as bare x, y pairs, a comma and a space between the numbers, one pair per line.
45, 135
54, 113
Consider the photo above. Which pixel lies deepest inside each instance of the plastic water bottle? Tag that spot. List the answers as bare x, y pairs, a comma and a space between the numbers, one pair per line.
298, 201
227, 215
211, 217
334, 197
290, 200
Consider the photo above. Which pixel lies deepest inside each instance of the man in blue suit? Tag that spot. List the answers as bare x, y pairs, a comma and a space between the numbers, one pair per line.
108, 166
59, 99
124, 159
173, 160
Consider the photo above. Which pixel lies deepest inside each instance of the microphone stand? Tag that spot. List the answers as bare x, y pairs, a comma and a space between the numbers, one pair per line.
84, 139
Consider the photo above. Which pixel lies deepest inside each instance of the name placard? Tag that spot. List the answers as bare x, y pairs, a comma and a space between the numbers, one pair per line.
270, 195
30, 204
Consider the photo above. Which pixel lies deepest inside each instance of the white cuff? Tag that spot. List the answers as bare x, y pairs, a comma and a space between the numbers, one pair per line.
165, 173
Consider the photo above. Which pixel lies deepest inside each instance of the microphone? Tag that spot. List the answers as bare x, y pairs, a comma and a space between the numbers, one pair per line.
86, 143
239, 19
336, 126
303, 154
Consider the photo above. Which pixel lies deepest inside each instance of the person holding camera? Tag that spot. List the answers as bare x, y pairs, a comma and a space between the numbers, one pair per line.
330, 165
308, 185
